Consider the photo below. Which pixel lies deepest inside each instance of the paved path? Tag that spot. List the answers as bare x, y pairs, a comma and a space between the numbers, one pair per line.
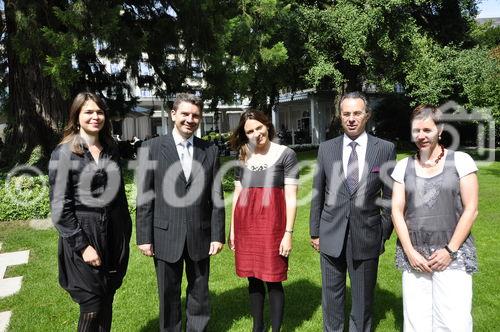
10, 286
4, 320
41, 224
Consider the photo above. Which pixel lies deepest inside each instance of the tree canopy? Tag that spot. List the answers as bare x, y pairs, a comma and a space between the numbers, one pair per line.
242, 48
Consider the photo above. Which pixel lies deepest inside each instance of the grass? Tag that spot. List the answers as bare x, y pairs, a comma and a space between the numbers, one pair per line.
43, 306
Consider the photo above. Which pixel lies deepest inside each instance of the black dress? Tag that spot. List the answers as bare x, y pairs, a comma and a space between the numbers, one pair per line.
89, 207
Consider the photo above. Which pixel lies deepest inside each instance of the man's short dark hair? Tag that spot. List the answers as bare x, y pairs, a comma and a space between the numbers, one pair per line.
355, 95
188, 98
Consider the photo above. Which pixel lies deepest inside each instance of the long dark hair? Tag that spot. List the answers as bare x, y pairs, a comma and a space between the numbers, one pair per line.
72, 130
239, 139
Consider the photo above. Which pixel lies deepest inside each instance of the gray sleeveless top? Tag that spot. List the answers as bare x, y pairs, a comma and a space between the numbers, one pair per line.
433, 208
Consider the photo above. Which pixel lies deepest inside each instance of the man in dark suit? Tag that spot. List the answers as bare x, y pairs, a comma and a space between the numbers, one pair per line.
180, 214
347, 225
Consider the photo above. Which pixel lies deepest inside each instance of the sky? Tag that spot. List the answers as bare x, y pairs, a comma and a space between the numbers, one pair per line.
489, 8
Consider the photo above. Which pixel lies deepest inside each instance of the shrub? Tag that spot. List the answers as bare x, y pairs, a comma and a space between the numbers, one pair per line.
130, 190
228, 182
303, 147
27, 197
215, 136
24, 197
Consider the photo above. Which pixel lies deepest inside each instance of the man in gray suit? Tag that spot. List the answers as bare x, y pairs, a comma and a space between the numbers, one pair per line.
347, 225
180, 214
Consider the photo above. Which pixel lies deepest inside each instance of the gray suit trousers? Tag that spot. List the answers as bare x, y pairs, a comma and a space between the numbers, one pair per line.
169, 277
363, 276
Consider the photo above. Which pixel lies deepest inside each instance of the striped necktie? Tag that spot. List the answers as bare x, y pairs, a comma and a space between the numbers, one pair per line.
352, 169
185, 158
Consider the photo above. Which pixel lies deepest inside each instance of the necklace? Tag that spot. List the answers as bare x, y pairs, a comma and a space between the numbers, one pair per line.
436, 161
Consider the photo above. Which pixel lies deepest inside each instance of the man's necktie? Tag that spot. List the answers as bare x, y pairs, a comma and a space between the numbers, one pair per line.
186, 159
353, 168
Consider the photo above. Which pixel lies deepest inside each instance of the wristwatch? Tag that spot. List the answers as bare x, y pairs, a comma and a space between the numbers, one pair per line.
453, 254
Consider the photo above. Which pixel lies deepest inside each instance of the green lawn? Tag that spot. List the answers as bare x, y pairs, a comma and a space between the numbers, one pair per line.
42, 305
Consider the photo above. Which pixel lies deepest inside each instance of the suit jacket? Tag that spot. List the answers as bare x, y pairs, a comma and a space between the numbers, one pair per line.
173, 211
333, 207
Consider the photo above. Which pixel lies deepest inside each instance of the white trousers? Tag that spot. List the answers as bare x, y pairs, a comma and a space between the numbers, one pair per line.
438, 301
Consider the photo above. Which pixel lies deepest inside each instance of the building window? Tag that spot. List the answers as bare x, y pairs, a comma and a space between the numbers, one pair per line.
100, 45
197, 70
115, 68
208, 123
171, 63
399, 88
145, 69
146, 92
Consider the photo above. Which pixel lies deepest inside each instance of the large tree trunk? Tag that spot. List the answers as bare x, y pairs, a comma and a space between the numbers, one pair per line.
36, 109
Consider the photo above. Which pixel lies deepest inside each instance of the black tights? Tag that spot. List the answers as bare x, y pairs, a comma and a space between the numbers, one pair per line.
96, 321
276, 303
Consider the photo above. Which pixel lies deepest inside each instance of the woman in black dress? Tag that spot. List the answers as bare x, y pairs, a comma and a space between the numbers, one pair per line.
89, 210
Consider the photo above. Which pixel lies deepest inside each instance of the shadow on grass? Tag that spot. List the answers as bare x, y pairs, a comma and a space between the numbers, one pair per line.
386, 302
153, 325
302, 298
301, 301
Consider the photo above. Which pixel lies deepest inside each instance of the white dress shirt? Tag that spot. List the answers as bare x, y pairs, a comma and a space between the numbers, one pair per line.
362, 141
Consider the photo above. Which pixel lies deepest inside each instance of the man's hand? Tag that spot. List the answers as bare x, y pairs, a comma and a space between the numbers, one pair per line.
215, 248
146, 249
315, 243
91, 257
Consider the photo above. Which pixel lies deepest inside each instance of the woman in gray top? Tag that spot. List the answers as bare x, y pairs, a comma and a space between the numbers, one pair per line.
434, 205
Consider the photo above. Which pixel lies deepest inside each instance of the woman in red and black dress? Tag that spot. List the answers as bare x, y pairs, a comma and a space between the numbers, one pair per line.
264, 207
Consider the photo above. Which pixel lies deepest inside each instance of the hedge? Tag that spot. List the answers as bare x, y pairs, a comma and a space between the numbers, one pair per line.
31, 199
24, 197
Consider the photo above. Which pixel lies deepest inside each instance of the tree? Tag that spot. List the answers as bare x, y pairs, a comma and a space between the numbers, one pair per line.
351, 43
55, 49
51, 54
434, 49
260, 53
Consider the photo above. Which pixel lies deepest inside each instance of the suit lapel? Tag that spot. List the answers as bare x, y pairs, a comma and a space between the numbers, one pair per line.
338, 150
169, 152
199, 156
370, 158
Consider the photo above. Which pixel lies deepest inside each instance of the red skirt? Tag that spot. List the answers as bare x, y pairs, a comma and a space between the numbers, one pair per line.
259, 226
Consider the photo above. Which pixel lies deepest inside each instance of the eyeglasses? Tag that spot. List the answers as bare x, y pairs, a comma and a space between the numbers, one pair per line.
357, 114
